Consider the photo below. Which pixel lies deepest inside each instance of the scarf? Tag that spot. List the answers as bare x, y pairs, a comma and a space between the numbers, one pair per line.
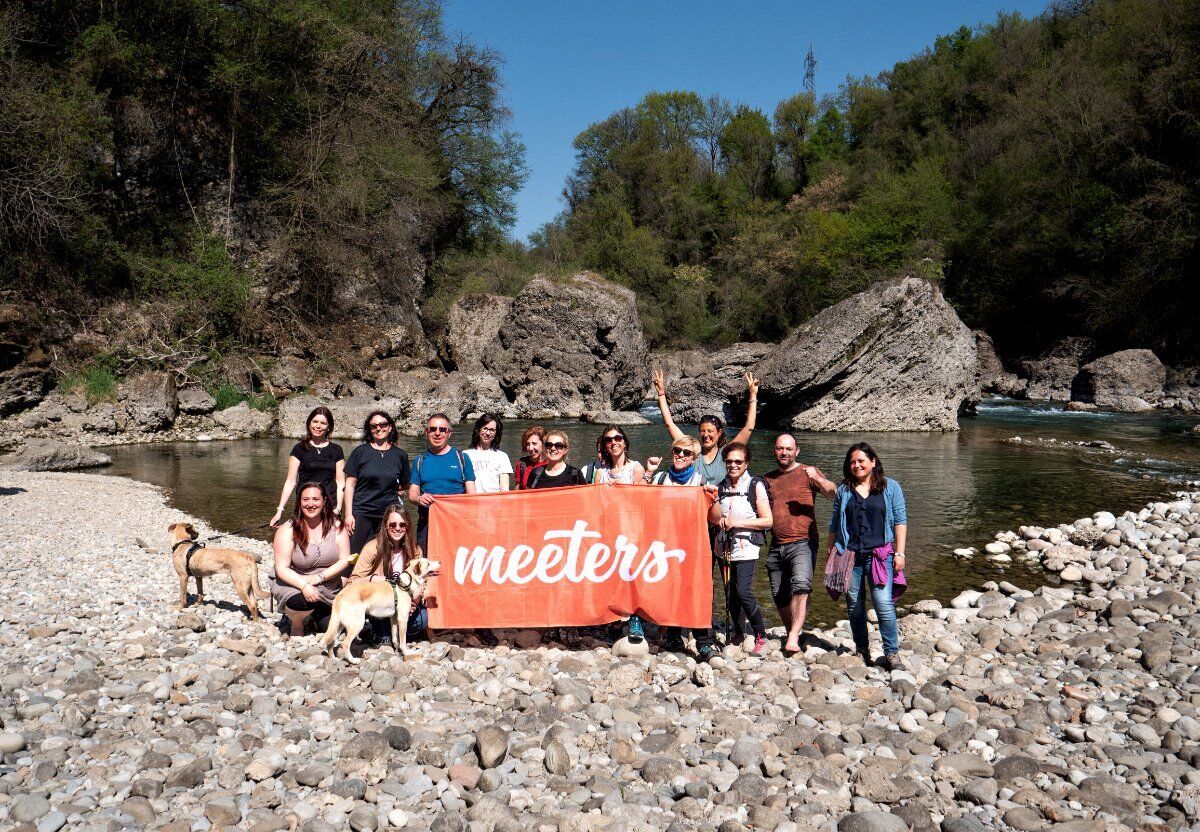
681, 477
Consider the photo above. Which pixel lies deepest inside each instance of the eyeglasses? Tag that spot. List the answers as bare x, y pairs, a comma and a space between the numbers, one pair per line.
437, 429
397, 525
735, 462
685, 452
610, 440
556, 446
380, 425
487, 430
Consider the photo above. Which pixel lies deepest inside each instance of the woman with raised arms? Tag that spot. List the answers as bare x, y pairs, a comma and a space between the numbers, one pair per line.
712, 429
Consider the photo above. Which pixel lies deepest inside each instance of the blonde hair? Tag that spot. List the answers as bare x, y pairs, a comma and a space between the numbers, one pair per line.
566, 439
690, 443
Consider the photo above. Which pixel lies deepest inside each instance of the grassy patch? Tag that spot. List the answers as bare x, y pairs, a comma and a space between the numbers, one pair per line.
97, 381
262, 401
227, 395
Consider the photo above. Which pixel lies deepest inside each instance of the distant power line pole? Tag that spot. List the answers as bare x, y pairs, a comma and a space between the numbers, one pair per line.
810, 71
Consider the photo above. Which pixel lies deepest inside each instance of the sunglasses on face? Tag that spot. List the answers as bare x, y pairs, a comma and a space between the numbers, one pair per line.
379, 425
735, 462
556, 446
397, 525
437, 429
682, 452
612, 440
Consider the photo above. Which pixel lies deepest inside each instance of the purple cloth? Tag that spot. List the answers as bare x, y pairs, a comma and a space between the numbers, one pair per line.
879, 575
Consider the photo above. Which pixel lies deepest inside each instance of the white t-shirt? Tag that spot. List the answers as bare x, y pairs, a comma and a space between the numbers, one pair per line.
489, 465
737, 505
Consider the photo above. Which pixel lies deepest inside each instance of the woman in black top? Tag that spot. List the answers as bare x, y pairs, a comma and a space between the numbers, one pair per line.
315, 459
376, 477
556, 472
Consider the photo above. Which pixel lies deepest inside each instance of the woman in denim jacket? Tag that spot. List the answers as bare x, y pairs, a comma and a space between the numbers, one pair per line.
869, 518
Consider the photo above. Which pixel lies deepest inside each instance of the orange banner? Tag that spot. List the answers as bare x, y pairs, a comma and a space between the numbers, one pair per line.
570, 556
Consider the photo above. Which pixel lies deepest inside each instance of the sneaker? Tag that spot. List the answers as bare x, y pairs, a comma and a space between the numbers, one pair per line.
636, 634
760, 644
705, 653
673, 643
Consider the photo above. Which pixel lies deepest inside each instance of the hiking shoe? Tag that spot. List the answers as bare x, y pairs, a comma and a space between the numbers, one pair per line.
760, 644
673, 643
892, 662
705, 653
636, 633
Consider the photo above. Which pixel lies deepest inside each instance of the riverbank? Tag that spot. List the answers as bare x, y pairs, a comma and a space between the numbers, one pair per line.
1072, 706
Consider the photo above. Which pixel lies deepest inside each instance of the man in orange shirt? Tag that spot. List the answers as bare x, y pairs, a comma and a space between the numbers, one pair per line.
792, 556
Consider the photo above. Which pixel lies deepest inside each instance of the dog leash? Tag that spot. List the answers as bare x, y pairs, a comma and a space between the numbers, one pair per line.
234, 534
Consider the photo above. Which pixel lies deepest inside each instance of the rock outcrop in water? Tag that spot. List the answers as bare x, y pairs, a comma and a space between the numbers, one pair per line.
1071, 707
1130, 380
701, 383
895, 357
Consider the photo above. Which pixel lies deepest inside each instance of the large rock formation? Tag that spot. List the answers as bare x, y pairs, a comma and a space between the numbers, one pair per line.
151, 400
473, 331
576, 346
990, 371
1049, 377
1129, 380
895, 357
702, 383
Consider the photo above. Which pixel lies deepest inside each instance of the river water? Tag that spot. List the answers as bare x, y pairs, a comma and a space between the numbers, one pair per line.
961, 487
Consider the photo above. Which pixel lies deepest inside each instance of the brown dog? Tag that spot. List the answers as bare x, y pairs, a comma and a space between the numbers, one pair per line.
206, 561
378, 599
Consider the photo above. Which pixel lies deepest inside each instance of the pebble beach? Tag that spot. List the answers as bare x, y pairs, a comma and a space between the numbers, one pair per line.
1070, 707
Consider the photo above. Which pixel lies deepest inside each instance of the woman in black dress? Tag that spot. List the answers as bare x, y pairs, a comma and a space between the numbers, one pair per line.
315, 459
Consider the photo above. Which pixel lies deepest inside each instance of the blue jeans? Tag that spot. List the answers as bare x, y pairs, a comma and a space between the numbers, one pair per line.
881, 598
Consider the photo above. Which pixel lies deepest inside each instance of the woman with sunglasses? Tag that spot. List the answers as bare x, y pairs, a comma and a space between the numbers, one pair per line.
376, 476
556, 472
613, 463
743, 513
384, 555
712, 428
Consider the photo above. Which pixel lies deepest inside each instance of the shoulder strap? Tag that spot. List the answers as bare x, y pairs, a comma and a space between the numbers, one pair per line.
750, 493
660, 477
417, 464
537, 475
589, 472
462, 468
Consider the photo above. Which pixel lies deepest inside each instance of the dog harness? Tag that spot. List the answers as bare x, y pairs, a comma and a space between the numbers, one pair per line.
187, 556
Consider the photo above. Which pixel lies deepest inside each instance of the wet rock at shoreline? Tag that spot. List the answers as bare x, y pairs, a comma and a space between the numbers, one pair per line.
48, 455
1130, 380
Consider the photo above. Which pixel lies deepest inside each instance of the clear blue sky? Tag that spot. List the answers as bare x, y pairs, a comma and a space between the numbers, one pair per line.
569, 64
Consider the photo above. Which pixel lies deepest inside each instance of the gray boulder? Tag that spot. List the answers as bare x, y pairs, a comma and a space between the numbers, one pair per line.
990, 372
151, 400
290, 373
576, 346
1049, 377
1129, 380
895, 357
243, 421
473, 330
700, 383
22, 387
49, 455
195, 400
1182, 390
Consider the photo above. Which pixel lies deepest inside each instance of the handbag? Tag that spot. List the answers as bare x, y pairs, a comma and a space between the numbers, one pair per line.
838, 568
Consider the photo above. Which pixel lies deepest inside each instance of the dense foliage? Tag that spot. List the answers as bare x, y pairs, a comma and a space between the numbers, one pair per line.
247, 159
1046, 170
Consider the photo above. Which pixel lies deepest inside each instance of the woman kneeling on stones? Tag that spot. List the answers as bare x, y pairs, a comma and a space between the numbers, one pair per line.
869, 519
387, 553
311, 554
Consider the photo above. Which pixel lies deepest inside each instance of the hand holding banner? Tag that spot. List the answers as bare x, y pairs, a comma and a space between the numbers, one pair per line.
570, 557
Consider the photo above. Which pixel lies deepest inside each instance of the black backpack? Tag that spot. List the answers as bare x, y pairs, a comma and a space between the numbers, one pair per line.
757, 537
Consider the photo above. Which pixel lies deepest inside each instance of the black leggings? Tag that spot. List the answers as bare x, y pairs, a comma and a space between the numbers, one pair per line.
301, 604
741, 596
364, 529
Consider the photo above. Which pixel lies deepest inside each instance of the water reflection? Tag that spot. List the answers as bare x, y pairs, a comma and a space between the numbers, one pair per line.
961, 488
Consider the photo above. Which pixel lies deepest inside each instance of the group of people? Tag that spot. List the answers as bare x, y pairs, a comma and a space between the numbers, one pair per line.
349, 522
